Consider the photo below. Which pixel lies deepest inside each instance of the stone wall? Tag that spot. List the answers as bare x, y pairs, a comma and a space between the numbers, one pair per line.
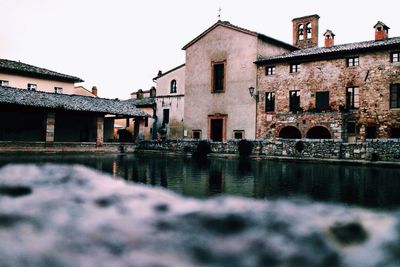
374, 149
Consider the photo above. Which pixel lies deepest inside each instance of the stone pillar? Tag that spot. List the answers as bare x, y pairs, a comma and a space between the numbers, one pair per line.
100, 130
50, 122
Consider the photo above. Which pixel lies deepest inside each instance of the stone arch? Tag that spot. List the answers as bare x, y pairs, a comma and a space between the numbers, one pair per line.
290, 132
318, 132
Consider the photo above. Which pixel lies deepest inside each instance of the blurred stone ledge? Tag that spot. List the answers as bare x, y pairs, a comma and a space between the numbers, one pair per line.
58, 215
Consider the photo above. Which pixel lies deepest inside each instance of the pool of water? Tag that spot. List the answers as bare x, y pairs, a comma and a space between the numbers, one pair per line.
372, 187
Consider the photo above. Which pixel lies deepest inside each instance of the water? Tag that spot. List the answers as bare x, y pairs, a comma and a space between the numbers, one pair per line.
372, 187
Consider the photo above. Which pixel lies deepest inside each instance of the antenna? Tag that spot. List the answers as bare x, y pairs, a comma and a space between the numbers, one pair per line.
219, 13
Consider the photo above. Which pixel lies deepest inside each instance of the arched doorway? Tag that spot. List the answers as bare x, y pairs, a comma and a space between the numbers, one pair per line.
318, 132
290, 132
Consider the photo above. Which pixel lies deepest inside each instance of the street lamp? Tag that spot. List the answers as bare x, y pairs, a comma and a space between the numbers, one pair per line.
252, 93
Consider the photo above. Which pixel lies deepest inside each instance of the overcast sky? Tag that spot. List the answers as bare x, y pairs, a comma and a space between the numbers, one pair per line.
119, 45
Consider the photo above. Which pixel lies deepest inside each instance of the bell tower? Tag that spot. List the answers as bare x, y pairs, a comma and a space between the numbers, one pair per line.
305, 31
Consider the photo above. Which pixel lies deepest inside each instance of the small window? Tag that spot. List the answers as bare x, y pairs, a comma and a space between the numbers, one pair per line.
370, 132
309, 30
32, 86
395, 95
196, 134
218, 77
4, 83
322, 100
395, 57
173, 87
146, 122
269, 101
166, 116
352, 61
58, 90
270, 70
294, 100
395, 132
352, 98
294, 68
300, 31
351, 127
238, 134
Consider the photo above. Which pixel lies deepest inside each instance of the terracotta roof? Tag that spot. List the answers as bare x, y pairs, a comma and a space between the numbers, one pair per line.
332, 52
169, 71
226, 24
38, 99
14, 67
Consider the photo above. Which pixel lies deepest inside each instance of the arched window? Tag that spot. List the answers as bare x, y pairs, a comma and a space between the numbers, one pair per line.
300, 31
290, 132
173, 86
309, 30
318, 132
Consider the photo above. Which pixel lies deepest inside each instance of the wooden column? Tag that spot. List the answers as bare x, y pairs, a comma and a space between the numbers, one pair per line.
100, 130
50, 122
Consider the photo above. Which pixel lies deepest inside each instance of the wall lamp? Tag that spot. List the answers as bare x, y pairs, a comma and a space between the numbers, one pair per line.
253, 93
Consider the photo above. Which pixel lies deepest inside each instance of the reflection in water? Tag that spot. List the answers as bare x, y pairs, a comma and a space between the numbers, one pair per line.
357, 185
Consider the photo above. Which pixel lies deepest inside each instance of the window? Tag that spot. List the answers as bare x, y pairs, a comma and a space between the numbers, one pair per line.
173, 86
196, 134
269, 101
294, 100
352, 61
146, 122
4, 83
218, 77
300, 32
308, 30
294, 68
395, 132
370, 132
322, 100
58, 90
352, 98
270, 70
166, 116
32, 86
395, 95
351, 127
238, 134
395, 57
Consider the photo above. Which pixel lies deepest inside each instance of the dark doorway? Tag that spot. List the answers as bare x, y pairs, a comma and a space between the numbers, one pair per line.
319, 132
290, 132
322, 100
370, 132
216, 130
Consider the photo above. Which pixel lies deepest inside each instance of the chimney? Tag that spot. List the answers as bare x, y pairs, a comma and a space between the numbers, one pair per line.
329, 38
305, 31
381, 31
94, 90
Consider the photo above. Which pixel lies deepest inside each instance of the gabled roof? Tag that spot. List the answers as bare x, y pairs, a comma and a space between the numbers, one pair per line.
320, 53
226, 24
169, 71
19, 68
38, 99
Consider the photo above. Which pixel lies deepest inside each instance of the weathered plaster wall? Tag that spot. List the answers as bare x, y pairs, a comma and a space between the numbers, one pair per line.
42, 84
373, 77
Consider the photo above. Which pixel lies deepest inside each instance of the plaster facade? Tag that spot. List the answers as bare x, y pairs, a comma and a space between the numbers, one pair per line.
237, 49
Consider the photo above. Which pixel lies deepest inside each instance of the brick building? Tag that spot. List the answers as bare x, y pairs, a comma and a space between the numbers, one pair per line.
349, 91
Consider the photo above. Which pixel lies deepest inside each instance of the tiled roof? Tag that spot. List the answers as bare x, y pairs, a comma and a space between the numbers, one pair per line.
14, 67
38, 99
327, 52
147, 101
263, 37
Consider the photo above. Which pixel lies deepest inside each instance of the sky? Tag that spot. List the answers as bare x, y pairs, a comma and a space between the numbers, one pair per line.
119, 45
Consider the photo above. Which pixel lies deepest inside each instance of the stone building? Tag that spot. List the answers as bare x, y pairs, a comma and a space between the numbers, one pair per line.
219, 71
348, 91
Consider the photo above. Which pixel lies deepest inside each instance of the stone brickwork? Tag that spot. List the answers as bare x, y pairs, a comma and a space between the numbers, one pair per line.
383, 149
372, 77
